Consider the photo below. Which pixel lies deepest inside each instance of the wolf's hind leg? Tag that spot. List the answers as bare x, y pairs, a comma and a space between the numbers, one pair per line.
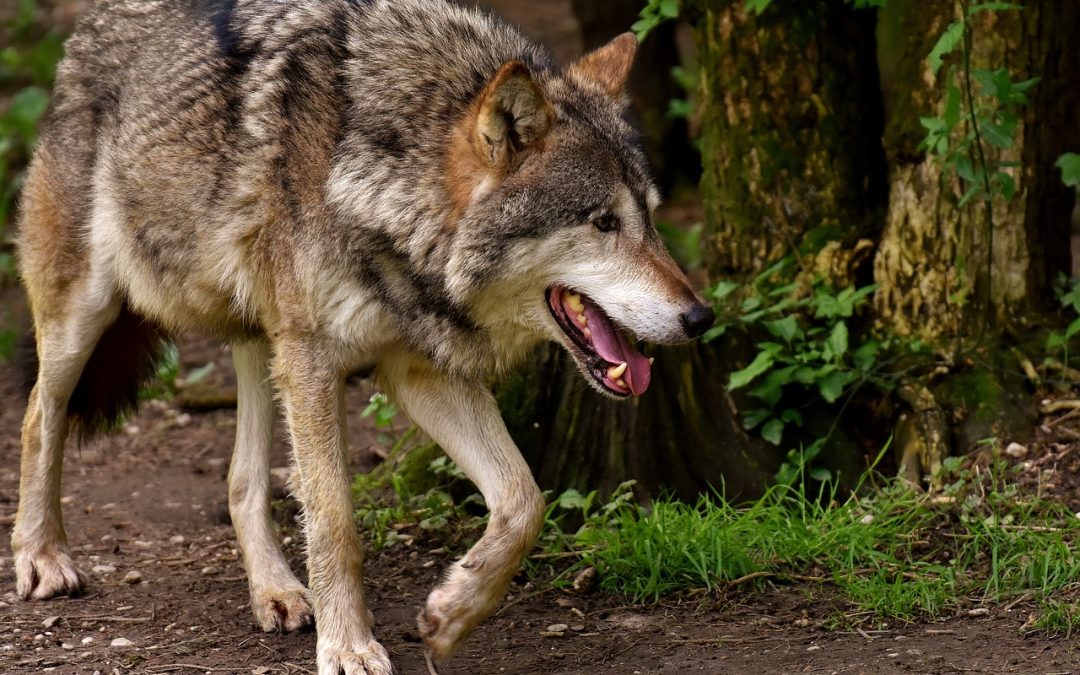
464, 419
278, 600
65, 341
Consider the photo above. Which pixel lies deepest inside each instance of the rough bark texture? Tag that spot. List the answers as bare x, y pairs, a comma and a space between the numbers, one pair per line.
932, 260
792, 124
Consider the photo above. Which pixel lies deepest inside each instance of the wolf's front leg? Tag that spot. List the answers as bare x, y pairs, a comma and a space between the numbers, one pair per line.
312, 392
463, 418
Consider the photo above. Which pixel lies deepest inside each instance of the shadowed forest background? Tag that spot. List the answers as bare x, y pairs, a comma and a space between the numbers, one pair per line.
879, 197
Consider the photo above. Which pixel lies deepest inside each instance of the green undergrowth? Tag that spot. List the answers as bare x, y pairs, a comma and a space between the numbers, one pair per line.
891, 554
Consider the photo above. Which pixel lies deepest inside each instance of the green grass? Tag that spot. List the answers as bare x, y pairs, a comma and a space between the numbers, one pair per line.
895, 554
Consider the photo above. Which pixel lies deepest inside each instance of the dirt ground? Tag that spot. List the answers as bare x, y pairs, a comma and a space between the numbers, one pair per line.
151, 499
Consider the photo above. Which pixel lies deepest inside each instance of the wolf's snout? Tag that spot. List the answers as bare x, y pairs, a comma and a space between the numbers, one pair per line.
699, 319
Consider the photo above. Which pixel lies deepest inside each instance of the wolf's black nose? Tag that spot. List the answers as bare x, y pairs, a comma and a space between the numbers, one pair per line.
699, 319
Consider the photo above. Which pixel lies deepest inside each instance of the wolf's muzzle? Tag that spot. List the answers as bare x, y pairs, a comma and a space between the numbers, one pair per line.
699, 319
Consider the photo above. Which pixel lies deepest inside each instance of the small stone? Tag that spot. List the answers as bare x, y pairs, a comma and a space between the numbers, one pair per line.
577, 627
121, 643
813, 648
139, 543
50, 621
428, 564
867, 519
260, 670
558, 628
67, 646
978, 611
1016, 451
802, 623
87, 640
86, 655
103, 569
67, 500
39, 637
210, 570
586, 580
133, 577
176, 539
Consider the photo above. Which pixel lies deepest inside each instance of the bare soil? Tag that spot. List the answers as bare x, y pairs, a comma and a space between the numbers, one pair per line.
151, 499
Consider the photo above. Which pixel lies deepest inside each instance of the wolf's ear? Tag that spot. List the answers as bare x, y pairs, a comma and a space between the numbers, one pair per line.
513, 117
608, 67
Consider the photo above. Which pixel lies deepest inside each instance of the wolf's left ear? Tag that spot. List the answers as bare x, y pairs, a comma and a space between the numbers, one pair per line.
608, 67
512, 118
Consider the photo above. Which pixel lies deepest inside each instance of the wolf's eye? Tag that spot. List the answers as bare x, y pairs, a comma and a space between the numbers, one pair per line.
608, 222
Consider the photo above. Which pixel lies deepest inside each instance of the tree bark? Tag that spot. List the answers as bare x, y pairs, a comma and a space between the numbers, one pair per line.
792, 129
934, 269
789, 163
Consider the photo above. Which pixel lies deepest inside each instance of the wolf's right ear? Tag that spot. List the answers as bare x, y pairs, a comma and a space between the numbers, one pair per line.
512, 117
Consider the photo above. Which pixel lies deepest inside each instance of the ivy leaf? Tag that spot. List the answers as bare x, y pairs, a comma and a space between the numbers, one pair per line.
832, 385
740, 378
838, 340
945, 45
998, 135
755, 417
669, 9
1069, 163
786, 329
773, 431
820, 474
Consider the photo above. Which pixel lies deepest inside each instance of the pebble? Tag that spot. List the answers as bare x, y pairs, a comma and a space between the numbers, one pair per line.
558, 628
67, 646
867, 519
133, 577
813, 648
586, 580
1016, 450
978, 611
121, 643
103, 569
39, 637
86, 655
50, 621
177, 539
210, 571
87, 640
139, 543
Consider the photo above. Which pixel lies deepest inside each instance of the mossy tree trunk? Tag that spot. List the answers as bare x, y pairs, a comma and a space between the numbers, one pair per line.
947, 275
788, 164
936, 279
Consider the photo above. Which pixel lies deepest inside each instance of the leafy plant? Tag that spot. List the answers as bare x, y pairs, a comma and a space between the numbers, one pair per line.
1059, 341
808, 354
1069, 163
653, 14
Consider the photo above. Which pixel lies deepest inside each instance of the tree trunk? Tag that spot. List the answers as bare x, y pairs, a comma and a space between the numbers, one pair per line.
936, 280
945, 274
789, 163
792, 126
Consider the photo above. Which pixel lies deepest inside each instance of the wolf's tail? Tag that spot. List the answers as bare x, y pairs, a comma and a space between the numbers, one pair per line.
123, 359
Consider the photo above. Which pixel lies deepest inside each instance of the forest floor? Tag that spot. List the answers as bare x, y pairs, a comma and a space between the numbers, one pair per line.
152, 499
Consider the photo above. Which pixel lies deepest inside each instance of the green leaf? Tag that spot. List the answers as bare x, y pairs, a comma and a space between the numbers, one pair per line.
1073, 329
757, 6
773, 431
740, 378
786, 329
865, 356
791, 416
772, 388
820, 474
945, 45
714, 332
952, 102
832, 385
1007, 184
998, 135
976, 189
755, 417
669, 9
1069, 163
838, 339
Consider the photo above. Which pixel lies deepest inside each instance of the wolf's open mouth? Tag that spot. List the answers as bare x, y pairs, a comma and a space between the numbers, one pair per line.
610, 357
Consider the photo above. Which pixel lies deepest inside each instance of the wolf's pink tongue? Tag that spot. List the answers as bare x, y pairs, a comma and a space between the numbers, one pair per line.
611, 344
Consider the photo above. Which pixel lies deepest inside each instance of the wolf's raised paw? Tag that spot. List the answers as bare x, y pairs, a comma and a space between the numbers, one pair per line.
283, 610
48, 573
368, 658
450, 616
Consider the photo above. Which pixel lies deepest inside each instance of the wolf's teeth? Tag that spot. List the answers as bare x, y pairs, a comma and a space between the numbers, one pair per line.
615, 372
621, 384
587, 333
573, 301
582, 320
652, 360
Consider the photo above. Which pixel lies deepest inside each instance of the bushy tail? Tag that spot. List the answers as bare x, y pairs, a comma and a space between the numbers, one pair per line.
123, 359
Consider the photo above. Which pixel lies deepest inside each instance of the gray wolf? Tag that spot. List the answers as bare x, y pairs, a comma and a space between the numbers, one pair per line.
326, 184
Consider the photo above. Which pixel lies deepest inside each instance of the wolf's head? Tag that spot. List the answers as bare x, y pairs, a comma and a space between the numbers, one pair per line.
549, 179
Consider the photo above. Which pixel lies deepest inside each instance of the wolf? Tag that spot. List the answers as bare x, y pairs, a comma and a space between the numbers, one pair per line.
325, 185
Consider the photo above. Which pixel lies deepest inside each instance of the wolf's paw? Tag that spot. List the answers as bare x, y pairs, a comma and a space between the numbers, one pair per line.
451, 614
47, 573
362, 658
283, 610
